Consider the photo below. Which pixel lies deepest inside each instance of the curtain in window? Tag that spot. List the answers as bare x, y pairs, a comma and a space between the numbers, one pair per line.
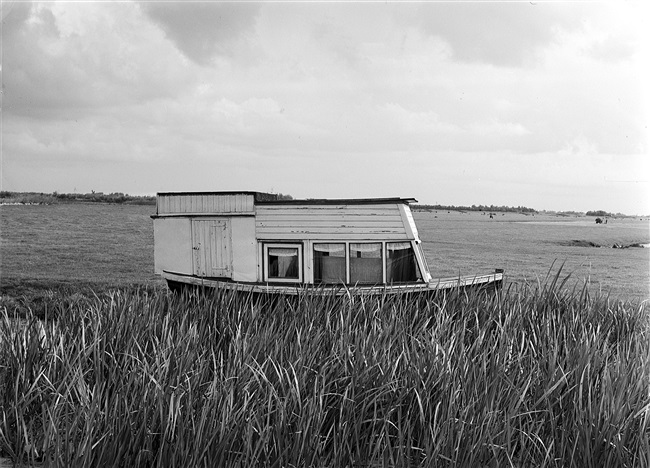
283, 262
329, 263
401, 265
366, 250
366, 263
332, 249
279, 252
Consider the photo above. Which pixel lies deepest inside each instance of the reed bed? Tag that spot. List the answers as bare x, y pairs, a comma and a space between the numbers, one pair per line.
535, 376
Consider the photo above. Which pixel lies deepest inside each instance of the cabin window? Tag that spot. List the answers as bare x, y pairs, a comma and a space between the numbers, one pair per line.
329, 263
366, 265
401, 265
283, 262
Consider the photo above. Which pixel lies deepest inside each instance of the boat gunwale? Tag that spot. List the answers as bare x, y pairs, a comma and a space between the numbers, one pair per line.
438, 284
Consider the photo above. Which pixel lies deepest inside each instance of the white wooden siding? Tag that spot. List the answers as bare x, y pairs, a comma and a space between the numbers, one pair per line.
331, 222
208, 203
244, 248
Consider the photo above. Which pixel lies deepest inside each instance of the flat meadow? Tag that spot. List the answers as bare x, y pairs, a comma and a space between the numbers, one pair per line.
101, 366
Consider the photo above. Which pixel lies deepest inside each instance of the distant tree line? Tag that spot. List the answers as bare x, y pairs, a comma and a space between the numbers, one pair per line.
598, 213
508, 209
93, 197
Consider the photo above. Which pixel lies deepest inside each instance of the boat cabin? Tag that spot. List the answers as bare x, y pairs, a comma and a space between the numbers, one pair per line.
254, 237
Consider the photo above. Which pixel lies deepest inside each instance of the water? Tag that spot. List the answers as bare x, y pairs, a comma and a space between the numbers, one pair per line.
85, 242
114, 243
527, 246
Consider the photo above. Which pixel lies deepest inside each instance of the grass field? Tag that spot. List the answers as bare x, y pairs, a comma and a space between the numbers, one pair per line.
101, 366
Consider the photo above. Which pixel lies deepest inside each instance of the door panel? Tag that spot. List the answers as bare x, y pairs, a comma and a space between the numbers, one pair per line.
211, 245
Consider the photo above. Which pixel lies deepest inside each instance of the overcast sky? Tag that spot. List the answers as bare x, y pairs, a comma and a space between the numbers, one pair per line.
540, 104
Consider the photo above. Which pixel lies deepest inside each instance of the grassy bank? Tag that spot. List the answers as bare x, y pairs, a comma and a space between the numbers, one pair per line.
40, 198
530, 377
42, 298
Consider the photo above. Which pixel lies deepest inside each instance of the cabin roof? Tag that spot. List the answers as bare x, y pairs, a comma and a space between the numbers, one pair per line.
263, 198
337, 201
257, 195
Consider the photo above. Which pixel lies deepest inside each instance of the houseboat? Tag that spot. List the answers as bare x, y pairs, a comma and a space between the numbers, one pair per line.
258, 242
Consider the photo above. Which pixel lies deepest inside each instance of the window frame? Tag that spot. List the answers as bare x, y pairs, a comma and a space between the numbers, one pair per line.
416, 248
280, 245
422, 262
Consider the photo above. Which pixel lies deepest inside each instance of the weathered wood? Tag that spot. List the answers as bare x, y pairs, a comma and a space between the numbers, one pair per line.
205, 203
344, 234
361, 209
331, 222
330, 216
338, 201
211, 244
493, 280
218, 239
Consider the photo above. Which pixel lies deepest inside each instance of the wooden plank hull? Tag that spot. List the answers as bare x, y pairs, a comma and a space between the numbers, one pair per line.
179, 282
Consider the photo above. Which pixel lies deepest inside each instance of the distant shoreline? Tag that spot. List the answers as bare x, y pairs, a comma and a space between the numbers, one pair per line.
40, 198
37, 198
520, 210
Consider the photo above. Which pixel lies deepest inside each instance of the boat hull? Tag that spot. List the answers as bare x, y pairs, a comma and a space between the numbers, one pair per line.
179, 282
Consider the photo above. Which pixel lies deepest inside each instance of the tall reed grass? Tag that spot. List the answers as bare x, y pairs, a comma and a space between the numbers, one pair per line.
536, 376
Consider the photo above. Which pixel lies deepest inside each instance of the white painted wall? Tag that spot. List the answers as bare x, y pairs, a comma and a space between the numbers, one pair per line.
244, 248
172, 245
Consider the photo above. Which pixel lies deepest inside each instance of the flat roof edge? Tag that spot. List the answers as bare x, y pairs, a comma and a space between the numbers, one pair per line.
337, 201
261, 195
263, 198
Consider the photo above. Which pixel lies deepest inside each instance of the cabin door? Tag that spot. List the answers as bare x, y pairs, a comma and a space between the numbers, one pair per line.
211, 247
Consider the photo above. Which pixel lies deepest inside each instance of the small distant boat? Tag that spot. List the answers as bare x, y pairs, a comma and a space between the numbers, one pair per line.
256, 242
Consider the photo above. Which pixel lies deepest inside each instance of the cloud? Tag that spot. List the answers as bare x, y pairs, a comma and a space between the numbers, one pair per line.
499, 129
69, 61
612, 49
418, 122
317, 98
580, 146
203, 30
14, 15
501, 34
